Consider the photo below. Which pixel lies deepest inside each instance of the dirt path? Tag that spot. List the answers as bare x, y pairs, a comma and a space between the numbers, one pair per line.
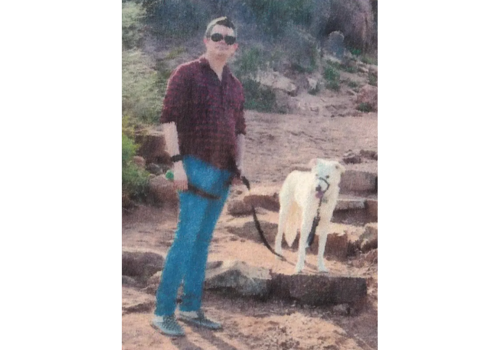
276, 143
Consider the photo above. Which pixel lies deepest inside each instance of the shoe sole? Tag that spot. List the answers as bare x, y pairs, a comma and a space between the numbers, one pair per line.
167, 334
196, 323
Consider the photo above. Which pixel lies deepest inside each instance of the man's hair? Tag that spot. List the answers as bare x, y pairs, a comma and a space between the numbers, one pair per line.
223, 21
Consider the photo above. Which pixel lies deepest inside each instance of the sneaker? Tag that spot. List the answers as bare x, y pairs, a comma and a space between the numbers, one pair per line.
168, 325
198, 318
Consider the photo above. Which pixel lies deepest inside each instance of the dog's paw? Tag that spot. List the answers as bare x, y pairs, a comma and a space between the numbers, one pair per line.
322, 269
298, 269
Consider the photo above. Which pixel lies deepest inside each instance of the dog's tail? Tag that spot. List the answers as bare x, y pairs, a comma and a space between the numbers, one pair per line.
292, 224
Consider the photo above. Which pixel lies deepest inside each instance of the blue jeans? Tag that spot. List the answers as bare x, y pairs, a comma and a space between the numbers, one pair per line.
187, 257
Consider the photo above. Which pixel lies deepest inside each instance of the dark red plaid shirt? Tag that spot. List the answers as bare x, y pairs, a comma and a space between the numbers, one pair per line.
208, 112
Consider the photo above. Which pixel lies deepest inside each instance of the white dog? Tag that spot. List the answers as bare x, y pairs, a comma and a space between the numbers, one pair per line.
300, 198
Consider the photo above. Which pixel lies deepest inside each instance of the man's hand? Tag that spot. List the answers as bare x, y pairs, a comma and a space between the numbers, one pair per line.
180, 178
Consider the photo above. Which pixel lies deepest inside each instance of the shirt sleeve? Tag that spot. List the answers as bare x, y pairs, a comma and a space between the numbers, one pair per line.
241, 127
175, 103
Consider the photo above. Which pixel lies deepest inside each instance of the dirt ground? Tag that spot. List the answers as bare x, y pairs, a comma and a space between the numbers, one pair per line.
276, 143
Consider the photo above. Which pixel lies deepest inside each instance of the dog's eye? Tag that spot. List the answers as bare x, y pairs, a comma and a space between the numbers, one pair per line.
316, 175
327, 176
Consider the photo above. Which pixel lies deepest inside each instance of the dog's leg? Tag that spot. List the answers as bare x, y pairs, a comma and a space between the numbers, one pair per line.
305, 228
281, 228
323, 234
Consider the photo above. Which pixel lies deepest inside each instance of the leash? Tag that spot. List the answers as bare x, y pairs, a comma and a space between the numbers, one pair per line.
312, 234
257, 223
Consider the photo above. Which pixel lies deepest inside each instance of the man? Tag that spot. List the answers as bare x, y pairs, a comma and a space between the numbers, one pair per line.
204, 129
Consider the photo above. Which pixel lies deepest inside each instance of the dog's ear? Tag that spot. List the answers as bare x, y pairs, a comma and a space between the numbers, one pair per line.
313, 163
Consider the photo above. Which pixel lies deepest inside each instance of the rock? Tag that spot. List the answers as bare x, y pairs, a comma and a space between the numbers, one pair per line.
371, 257
249, 231
337, 246
155, 169
350, 204
368, 96
342, 310
152, 146
239, 208
363, 69
358, 181
276, 81
368, 154
369, 239
134, 301
139, 161
141, 265
351, 92
282, 101
318, 289
351, 158
266, 201
153, 282
162, 190
312, 84
239, 278
129, 281
372, 209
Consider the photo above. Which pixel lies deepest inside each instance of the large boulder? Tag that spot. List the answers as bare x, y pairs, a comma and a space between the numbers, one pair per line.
369, 239
368, 96
239, 278
276, 81
141, 265
162, 190
319, 289
237, 207
358, 181
152, 146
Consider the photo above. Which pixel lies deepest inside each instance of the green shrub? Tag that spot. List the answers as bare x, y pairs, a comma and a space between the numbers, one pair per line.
301, 50
332, 78
352, 84
273, 16
248, 63
258, 97
369, 59
135, 180
132, 26
364, 107
176, 18
142, 88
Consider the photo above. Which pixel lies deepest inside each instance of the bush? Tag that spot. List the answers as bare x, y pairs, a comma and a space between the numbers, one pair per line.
332, 78
274, 16
132, 27
248, 63
142, 89
176, 18
258, 97
364, 107
301, 50
135, 181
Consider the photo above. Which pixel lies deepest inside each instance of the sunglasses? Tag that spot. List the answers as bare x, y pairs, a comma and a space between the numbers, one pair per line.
230, 40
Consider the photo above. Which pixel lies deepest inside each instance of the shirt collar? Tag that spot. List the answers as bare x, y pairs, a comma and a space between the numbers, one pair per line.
204, 63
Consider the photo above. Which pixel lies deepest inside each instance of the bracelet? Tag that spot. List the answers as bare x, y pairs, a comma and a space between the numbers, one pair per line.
176, 158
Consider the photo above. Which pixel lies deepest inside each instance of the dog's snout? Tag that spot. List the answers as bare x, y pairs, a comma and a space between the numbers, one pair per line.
318, 188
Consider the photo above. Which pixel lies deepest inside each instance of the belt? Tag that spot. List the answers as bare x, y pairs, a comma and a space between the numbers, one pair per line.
199, 192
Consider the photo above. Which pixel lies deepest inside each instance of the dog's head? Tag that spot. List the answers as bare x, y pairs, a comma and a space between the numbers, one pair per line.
327, 175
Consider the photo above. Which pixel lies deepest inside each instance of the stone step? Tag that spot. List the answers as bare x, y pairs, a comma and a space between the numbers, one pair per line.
240, 279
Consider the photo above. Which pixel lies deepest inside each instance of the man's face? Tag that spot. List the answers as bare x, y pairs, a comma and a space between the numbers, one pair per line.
220, 48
